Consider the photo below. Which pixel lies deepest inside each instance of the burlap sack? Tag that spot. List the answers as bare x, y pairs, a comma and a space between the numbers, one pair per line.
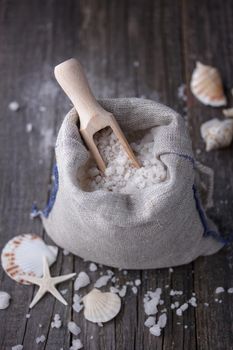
160, 226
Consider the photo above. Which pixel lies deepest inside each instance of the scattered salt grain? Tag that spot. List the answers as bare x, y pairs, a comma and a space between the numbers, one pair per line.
42, 109
219, 290
123, 291
93, 267
56, 323
28, 315
206, 304
77, 305
125, 272
185, 326
120, 176
40, 339
13, 106
151, 301
155, 330
193, 301
114, 290
102, 281
64, 291
136, 64
134, 290
73, 328
150, 321
28, 127
65, 252
171, 270
4, 300
175, 292
137, 282
17, 347
100, 324
230, 290
76, 344
162, 321
181, 92
81, 281
181, 309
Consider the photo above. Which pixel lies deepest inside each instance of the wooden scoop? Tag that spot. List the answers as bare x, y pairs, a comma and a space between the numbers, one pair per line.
71, 77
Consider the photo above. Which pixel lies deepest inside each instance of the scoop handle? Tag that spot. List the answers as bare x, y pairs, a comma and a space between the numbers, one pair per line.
71, 77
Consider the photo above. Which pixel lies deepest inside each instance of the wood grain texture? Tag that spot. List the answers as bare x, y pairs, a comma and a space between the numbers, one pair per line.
129, 48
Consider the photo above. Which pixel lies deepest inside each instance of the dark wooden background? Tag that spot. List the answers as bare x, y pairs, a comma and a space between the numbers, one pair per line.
166, 38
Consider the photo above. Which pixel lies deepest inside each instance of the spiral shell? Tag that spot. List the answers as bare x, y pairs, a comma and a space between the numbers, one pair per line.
217, 133
101, 307
206, 85
23, 256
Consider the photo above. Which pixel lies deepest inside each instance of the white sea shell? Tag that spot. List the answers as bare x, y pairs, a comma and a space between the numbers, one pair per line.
217, 133
228, 112
23, 256
206, 85
101, 307
81, 281
4, 300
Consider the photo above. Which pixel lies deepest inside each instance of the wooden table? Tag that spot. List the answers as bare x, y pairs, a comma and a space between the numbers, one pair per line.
129, 48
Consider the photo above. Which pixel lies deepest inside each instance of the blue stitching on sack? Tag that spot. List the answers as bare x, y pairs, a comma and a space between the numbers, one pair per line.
45, 212
207, 231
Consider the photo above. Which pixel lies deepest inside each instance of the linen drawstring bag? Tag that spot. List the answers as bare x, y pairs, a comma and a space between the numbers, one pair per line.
160, 226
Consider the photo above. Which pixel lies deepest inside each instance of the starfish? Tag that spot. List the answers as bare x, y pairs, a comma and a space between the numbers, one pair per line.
47, 284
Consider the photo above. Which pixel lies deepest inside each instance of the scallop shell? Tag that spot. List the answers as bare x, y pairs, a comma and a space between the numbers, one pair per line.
23, 256
206, 85
4, 300
217, 133
101, 307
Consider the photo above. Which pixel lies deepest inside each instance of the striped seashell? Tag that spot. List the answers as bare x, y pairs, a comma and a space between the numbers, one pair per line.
23, 256
206, 85
217, 133
101, 307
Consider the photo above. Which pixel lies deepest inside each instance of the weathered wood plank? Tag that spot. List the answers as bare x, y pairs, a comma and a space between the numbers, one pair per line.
208, 38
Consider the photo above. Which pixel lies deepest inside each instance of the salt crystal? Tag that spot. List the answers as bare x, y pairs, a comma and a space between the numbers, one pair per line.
40, 339
13, 106
76, 344
73, 328
179, 312
125, 272
28, 315
150, 321
171, 270
184, 307
56, 323
137, 282
64, 291
175, 292
120, 175
65, 252
122, 292
28, 127
4, 300
42, 109
162, 321
102, 281
93, 267
219, 290
177, 304
230, 290
193, 302
134, 290
114, 290
100, 324
17, 347
81, 281
181, 92
150, 306
155, 330
77, 307
206, 304
185, 326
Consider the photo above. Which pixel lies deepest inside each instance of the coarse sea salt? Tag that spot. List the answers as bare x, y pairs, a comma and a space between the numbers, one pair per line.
73, 328
17, 347
93, 267
230, 290
219, 290
40, 339
102, 281
56, 323
13, 106
120, 175
76, 344
81, 281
